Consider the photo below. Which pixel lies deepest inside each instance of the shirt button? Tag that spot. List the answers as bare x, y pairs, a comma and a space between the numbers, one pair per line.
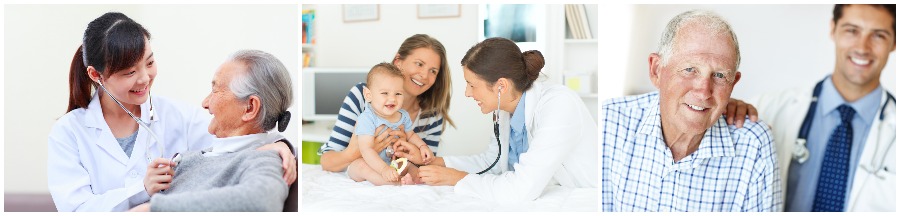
134, 174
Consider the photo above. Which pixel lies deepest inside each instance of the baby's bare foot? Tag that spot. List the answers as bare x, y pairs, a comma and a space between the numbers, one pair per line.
407, 180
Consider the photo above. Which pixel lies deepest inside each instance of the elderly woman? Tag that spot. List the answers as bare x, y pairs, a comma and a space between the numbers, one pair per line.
251, 93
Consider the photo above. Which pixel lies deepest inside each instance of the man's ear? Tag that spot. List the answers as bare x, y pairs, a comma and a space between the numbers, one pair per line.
737, 77
831, 34
367, 94
252, 110
654, 61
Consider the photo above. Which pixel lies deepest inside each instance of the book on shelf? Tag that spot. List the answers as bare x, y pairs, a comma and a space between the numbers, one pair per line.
307, 28
577, 21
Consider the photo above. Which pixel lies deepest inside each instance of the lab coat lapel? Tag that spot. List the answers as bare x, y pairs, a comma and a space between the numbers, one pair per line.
144, 138
104, 139
874, 150
533, 96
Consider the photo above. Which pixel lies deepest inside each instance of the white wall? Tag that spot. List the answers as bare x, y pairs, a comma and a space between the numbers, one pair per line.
782, 46
189, 42
364, 44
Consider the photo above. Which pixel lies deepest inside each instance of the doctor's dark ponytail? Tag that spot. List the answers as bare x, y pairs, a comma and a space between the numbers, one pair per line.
111, 43
496, 58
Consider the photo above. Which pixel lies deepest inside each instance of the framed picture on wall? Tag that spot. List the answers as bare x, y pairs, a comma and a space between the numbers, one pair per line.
358, 13
438, 10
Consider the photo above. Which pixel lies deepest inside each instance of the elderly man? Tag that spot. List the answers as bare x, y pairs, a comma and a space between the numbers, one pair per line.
672, 150
836, 140
250, 95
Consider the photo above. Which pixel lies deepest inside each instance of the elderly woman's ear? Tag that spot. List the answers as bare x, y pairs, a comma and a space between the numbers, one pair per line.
252, 110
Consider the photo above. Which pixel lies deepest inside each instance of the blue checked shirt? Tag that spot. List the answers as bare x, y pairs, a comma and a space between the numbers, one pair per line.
732, 170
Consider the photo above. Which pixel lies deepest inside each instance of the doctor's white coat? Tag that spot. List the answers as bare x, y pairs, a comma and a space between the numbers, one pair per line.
562, 140
87, 169
870, 192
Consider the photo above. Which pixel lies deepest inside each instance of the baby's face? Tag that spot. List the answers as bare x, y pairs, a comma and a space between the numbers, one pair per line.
386, 95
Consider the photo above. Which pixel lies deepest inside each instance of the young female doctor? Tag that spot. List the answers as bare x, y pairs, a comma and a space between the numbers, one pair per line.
98, 153
544, 132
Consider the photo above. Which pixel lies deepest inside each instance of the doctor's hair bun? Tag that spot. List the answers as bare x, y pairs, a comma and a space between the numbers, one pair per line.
534, 62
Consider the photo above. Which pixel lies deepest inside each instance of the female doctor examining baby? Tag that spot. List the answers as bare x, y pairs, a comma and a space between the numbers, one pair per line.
98, 154
546, 134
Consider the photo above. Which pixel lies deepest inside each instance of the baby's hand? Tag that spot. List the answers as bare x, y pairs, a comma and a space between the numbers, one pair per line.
427, 155
389, 174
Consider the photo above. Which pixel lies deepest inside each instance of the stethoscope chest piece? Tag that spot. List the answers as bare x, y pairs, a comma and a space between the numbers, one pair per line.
800, 152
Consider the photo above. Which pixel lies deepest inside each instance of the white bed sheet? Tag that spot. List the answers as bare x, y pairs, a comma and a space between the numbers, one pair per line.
328, 191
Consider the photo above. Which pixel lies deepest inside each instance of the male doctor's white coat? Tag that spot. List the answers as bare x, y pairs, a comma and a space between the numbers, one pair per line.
562, 149
874, 183
87, 169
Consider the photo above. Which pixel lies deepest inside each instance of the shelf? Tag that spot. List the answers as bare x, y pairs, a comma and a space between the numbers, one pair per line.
579, 41
308, 46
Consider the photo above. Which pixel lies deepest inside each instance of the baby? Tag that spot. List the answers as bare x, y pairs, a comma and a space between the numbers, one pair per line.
384, 94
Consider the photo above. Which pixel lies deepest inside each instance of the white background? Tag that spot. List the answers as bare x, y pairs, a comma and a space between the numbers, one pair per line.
782, 46
189, 43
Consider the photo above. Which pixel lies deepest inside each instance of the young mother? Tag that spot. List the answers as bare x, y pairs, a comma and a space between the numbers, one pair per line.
423, 62
546, 133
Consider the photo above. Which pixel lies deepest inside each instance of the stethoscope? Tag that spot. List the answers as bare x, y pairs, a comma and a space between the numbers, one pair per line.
140, 122
801, 153
496, 133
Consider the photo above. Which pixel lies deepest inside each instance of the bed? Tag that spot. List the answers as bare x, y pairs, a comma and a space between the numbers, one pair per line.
327, 191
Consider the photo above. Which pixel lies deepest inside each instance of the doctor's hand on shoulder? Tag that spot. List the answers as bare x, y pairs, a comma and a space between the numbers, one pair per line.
159, 176
737, 110
288, 161
440, 176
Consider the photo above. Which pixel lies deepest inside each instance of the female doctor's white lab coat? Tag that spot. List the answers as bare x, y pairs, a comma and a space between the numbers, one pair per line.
562, 140
874, 183
87, 169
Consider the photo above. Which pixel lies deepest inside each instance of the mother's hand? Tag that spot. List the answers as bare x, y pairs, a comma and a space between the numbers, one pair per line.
440, 176
388, 137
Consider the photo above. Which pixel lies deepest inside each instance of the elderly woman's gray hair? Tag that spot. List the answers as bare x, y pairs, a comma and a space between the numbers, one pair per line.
267, 78
709, 20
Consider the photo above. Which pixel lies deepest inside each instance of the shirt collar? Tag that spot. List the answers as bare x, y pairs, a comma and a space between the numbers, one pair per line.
865, 107
225, 145
517, 122
716, 142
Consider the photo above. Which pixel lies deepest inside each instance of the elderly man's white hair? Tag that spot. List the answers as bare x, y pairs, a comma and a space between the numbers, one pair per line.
267, 78
709, 20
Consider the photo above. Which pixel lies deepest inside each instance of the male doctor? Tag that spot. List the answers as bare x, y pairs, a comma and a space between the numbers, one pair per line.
835, 141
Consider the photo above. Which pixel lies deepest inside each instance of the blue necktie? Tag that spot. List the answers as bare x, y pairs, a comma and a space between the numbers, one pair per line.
835, 167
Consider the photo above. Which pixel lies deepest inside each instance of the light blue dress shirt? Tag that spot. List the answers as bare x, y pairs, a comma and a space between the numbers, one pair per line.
518, 137
803, 178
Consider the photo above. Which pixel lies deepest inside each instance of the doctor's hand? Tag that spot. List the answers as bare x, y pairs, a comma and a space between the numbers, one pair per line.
440, 176
288, 161
159, 176
737, 110
404, 149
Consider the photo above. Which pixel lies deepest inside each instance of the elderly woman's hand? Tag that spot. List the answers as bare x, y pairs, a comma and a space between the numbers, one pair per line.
438, 175
141, 208
288, 161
